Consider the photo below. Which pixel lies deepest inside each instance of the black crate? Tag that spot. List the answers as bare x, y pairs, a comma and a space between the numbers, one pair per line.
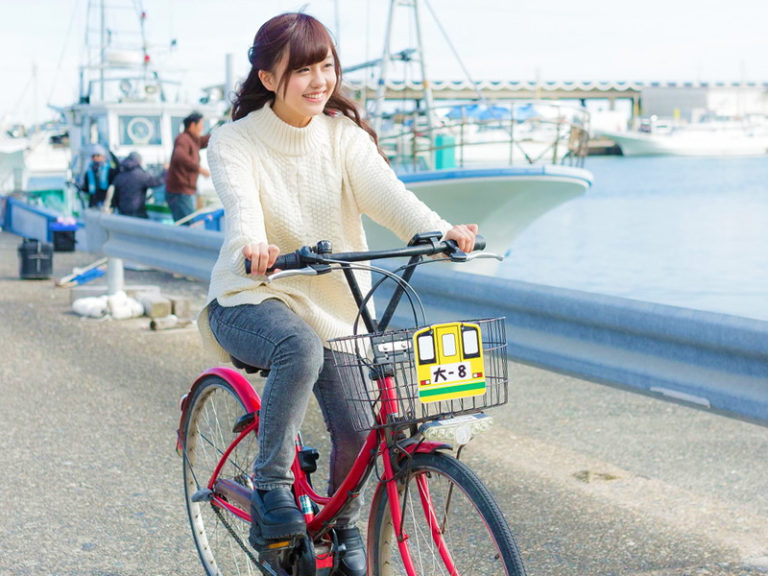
35, 259
64, 240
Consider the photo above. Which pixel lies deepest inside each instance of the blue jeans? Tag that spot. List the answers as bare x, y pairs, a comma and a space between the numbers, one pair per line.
181, 205
270, 335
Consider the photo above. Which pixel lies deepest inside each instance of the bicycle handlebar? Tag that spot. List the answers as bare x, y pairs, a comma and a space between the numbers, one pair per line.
314, 260
422, 245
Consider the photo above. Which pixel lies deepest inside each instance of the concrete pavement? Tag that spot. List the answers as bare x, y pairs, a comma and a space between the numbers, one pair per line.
594, 480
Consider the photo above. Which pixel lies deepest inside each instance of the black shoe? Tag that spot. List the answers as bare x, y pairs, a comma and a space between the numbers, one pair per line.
353, 561
274, 515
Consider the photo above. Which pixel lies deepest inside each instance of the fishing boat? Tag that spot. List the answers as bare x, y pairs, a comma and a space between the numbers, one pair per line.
716, 137
498, 164
127, 103
33, 159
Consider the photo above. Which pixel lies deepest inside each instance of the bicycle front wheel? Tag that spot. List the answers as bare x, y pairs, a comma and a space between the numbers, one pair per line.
221, 536
451, 522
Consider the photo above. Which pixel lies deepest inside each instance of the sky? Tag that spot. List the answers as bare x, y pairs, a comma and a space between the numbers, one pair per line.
523, 40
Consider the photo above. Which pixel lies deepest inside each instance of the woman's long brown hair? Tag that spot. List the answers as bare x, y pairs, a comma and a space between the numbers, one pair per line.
307, 41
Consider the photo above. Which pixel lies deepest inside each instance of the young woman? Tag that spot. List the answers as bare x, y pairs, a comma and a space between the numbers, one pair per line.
296, 166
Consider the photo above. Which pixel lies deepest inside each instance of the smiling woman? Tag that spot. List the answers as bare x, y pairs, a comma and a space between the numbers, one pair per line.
298, 165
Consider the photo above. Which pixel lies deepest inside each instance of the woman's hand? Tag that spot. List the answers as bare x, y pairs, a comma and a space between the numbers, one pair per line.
463, 235
261, 255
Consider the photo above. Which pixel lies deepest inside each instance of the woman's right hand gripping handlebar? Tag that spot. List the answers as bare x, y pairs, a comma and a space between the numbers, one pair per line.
262, 257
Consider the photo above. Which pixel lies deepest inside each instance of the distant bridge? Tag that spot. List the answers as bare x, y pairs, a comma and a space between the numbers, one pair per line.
527, 90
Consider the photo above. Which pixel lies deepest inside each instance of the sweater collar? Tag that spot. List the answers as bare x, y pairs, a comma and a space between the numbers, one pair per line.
283, 137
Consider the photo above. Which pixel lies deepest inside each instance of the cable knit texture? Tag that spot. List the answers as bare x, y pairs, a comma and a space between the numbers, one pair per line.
291, 187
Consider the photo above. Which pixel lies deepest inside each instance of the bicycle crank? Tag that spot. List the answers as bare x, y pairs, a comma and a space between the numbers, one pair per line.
294, 557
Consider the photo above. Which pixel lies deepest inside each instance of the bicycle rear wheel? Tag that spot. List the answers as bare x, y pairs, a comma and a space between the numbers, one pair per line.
477, 537
221, 537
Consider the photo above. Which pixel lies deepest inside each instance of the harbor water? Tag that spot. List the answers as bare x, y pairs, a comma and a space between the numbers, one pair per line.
683, 231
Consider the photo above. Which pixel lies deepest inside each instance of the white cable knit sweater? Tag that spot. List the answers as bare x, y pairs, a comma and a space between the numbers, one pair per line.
292, 187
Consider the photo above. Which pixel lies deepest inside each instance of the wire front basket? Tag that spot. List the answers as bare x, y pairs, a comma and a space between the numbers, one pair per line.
423, 374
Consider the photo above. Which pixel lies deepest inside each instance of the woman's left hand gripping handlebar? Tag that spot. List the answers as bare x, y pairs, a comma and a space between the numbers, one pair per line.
463, 235
261, 255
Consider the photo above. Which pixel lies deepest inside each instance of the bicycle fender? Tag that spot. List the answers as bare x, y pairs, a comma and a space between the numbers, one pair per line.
427, 447
415, 448
235, 379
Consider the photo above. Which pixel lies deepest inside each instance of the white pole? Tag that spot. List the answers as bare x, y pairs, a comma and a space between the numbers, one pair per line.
428, 105
385, 57
115, 276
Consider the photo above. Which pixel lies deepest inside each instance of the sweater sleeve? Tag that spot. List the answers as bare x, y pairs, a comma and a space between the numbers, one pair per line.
151, 181
233, 173
380, 194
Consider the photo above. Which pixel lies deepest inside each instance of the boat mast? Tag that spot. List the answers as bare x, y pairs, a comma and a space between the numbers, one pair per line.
428, 104
387, 56
103, 50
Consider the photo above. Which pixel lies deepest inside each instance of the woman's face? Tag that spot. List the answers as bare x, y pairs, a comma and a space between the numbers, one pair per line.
306, 91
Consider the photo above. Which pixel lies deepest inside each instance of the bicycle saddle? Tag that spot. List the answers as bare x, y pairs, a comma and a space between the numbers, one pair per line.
239, 364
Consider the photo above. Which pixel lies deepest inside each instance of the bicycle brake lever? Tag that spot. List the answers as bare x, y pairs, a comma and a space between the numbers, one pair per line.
459, 256
476, 255
314, 270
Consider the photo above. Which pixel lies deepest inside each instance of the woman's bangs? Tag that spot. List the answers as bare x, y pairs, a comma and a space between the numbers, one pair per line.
309, 44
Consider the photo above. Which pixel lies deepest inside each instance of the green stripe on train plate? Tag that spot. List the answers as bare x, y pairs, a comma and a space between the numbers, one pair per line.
447, 390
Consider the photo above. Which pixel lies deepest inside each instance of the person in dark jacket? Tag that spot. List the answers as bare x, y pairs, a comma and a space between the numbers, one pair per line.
131, 186
184, 168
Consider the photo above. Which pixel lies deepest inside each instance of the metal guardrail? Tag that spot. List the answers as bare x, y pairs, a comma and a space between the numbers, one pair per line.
28, 221
190, 251
713, 361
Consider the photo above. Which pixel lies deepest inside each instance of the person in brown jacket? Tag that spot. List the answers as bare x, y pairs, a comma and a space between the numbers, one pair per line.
184, 168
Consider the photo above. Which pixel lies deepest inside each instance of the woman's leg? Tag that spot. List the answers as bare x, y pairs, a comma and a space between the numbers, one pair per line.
270, 335
341, 419
344, 419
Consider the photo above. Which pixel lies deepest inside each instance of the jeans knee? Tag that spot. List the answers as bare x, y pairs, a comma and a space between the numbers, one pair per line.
303, 353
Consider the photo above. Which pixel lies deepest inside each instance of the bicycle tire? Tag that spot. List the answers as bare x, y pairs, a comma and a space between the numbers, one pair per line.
220, 536
476, 533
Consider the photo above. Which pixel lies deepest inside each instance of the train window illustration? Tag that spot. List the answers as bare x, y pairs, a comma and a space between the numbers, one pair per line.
470, 342
449, 344
426, 348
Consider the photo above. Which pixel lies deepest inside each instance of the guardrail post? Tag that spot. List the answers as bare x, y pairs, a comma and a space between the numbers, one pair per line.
115, 276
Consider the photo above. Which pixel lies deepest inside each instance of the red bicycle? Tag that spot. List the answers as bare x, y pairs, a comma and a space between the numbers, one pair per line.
426, 389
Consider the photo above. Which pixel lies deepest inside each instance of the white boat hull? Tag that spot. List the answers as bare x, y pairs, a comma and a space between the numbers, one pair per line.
691, 143
503, 202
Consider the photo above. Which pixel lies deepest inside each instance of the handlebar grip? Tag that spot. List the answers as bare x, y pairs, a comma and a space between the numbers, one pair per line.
290, 261
479, 242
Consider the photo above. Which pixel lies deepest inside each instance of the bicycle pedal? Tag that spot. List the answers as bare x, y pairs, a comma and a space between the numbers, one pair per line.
278, 545
263, 545
274, 554
202, 495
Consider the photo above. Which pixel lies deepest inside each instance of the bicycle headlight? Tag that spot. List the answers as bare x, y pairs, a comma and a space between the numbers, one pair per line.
459, 430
